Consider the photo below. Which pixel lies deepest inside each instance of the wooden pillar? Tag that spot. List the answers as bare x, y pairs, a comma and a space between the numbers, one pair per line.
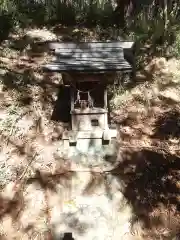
72, 98
105, 98
106, 108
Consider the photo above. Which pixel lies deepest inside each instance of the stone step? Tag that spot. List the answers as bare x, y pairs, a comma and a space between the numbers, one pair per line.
97, 134
91, 151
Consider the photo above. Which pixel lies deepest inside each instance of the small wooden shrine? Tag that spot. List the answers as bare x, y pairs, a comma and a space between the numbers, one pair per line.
87, 68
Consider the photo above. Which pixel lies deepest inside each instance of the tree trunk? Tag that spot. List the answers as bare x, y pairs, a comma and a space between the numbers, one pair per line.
165, 15
119, 12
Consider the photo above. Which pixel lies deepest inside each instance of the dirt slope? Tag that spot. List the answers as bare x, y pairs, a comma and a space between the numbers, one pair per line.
44, 195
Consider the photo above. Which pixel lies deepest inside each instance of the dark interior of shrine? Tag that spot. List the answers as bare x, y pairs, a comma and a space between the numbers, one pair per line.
94, 90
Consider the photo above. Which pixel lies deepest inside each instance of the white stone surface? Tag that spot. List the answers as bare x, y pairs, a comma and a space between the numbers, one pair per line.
92, 217
91, 152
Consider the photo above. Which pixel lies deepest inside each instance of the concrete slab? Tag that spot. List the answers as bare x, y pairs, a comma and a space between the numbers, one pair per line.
95, 134
91, 152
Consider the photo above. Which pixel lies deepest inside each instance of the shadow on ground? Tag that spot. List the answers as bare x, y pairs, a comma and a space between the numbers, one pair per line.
168, 125
151, 181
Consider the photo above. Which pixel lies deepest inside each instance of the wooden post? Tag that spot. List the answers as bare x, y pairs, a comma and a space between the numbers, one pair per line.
105, 98
72, 99
72, 107
106, 108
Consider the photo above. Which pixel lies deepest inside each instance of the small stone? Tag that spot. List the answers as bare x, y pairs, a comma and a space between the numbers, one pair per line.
171, 93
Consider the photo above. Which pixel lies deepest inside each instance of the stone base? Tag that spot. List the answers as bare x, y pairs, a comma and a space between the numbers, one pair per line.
87, 148
89, 119
91, 152
96, 134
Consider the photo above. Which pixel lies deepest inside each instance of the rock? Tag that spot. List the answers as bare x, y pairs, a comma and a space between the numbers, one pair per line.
9, 191
41, 34
171, 93
156, 65
3, 71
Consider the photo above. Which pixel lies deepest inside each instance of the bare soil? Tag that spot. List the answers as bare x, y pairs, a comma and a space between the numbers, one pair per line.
44, 194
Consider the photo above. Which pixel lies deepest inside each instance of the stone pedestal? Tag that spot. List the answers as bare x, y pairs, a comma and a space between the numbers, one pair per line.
89, 121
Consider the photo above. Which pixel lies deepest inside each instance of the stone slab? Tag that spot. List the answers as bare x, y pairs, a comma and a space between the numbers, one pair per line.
96, 134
